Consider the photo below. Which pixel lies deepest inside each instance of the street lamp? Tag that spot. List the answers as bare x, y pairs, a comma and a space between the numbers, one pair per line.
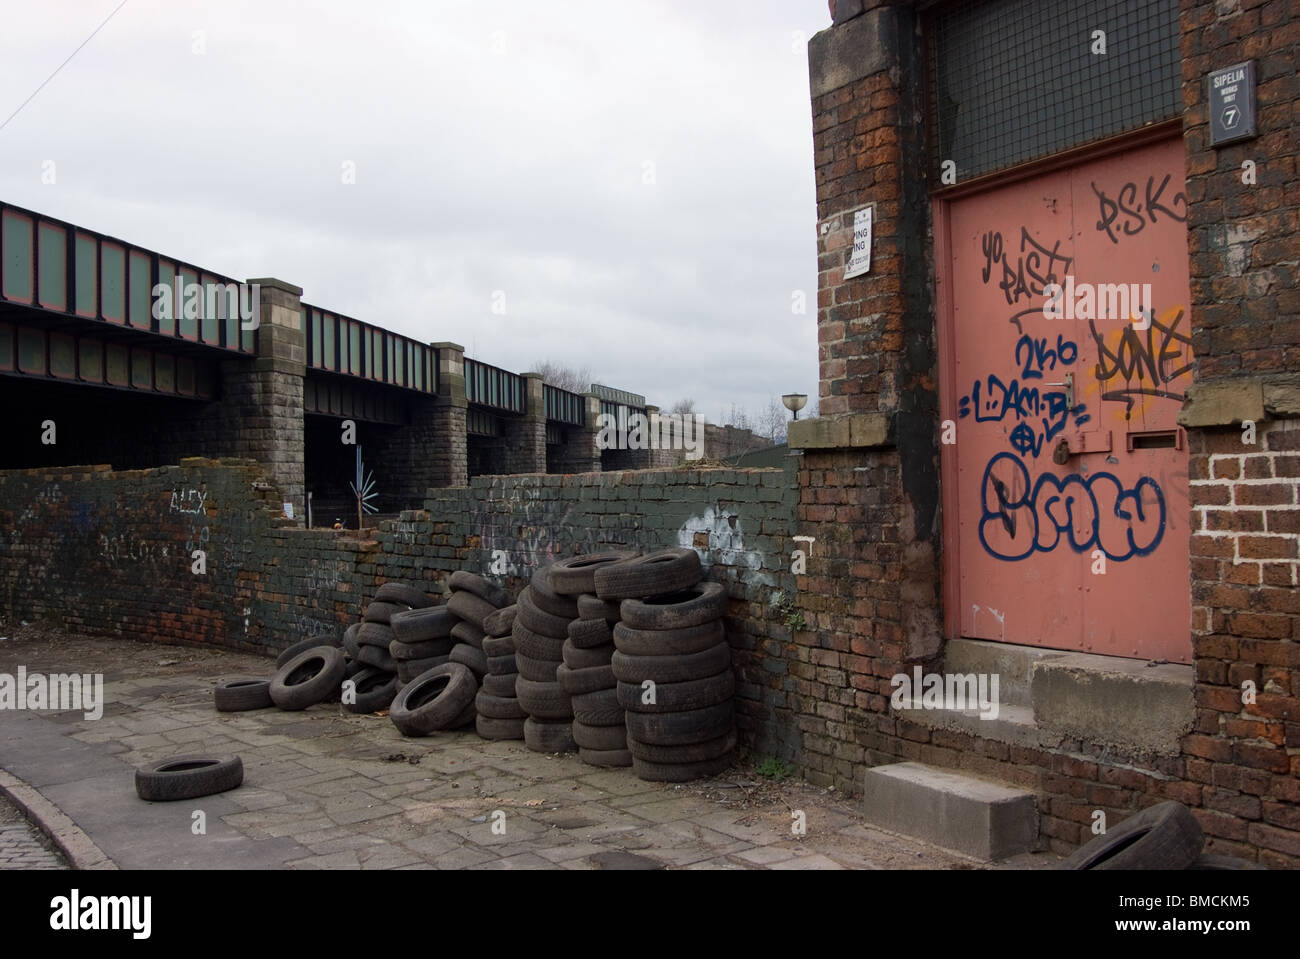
794, 402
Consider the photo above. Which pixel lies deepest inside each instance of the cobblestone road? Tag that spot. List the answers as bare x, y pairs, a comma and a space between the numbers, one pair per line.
21, 845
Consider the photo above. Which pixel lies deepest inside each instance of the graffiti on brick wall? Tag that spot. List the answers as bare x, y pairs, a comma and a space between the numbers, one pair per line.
187, 500
323, 577
717, 535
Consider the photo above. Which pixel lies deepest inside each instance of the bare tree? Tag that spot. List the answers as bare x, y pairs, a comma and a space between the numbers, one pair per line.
685, 405
573, 379
739, 418
771, 422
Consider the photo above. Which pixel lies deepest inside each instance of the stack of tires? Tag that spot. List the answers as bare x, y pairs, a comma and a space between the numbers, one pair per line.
499, 714
473, 599
439, 698
672, 665
585, 674
421, 640
375, 684
540, 628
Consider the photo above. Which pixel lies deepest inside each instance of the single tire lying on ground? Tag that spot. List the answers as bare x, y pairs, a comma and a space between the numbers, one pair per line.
1163, 836
303, 645
663, 571
701, 603
613, 758
403, 594
308, 678
372, 690
241, 695
577, 574
434, 700
188, 777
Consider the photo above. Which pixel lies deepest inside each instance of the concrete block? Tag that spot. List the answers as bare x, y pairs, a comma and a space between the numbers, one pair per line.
852, 50
1121, 703
1223, 403
977, 817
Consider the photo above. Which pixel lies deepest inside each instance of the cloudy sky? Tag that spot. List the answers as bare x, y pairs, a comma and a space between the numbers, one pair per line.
635, 177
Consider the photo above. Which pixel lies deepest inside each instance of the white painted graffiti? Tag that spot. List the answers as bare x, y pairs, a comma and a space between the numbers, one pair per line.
130, 548
188, 500
718, 537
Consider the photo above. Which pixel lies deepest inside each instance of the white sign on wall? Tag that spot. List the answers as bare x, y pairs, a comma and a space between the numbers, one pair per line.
860, 260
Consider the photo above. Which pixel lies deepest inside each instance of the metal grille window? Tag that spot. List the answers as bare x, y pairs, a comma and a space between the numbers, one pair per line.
1015, 80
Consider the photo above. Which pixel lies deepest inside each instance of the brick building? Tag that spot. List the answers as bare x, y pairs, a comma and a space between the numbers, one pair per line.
1098, 503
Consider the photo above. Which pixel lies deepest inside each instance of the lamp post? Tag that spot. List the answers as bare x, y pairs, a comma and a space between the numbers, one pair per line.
794, 402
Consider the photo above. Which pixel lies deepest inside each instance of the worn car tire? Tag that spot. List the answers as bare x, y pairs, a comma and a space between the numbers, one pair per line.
242, 694
576, 575
471, 657
578, 658
374, 690
375, 634
405, 595
701, 603
678, 697
305, 644
480, 586
576, 682
432, 647
599, 737
495, 646
378, 658
537, 670
469, 634
663, 571
671, 669
500, 684
423, 625
468, 716
382, 613
350, 644
500, 622
607, 758
590, 633
499, 729
535, 645
544, 701
434, 700
1220, 863
684, 728
188, 777
499, 707
308, 678
544, 737
470, 608
599, 708
410, 669
1163, 836
546, 599
691, 753
678, 772
502, 665
668, 642
594, 609
538, 620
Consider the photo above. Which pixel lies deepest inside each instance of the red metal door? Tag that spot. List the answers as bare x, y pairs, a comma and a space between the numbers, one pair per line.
1066, 303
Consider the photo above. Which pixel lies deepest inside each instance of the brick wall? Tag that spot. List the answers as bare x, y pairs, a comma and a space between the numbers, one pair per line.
109, 553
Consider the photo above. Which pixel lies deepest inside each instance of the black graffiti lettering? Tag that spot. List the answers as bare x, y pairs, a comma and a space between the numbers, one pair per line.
992, 244
1127, 215
1153, 361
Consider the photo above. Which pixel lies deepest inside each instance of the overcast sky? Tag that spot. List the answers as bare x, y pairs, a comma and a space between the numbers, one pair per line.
635, 176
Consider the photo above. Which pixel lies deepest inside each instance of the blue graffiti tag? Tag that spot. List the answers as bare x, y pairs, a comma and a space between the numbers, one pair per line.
991, 401
1020, 518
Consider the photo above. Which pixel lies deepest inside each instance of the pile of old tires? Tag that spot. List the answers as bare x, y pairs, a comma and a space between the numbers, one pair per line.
672, 665
540, 628
499, 714
369, 644
584, 673
444, 696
